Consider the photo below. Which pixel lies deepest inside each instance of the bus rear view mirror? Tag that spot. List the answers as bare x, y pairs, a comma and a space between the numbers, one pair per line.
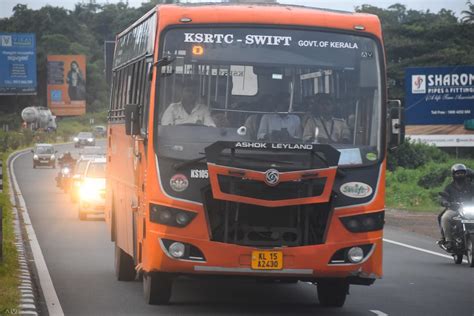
395, 124
132, 120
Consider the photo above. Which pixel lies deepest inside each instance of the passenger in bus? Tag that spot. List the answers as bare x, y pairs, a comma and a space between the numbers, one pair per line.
319, 124
189, 110
281, 125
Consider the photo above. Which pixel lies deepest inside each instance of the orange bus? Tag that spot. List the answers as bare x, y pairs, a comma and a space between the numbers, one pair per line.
248, 140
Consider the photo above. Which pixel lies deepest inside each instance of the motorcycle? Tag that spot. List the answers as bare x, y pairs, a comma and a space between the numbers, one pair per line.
64, 176
463, 232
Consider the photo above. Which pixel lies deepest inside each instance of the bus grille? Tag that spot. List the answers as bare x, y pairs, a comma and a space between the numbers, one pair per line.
258, 226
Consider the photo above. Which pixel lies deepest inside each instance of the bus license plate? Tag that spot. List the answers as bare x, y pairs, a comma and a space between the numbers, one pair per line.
267, 260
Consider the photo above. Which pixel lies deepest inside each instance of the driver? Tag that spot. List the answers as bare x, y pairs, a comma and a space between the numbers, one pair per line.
281, 121
460, 190
188, 110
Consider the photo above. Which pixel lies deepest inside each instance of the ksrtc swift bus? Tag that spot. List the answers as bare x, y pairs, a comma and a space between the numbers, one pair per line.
248, 140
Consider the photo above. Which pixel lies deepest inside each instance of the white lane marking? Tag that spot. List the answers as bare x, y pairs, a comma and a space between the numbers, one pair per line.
419, 249
47, 287
379, 313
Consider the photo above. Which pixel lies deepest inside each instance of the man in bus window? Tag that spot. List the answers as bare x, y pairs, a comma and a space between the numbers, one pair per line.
281, 125
189, 110
320, 125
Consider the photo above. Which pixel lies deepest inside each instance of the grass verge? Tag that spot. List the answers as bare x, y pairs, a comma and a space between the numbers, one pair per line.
9, 275
417, 189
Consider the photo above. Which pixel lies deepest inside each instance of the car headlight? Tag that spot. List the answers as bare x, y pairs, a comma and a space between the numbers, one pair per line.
76, 139
35, 157
90, 190
53, 157
90, 139
65, 170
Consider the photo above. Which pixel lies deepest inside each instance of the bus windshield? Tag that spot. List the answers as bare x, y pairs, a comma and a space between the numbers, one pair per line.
269, 85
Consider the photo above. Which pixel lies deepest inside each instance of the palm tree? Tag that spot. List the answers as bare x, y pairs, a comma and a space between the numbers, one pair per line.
468, 14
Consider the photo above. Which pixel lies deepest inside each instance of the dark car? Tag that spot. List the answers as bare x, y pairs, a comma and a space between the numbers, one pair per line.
100, 131
44, 155
84, 139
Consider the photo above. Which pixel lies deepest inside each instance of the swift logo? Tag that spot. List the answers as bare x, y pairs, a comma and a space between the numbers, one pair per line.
272, 177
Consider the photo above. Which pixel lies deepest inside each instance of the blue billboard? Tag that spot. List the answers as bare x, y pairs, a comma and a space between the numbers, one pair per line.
17, 63
439, 105
439, 95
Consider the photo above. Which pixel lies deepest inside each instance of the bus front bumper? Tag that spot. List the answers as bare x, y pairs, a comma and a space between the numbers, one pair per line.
304, 262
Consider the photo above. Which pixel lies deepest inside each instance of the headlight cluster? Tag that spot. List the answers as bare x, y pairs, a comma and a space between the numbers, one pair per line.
364, 222
170, 216
35, 157
91, 190
76, 139
90, 140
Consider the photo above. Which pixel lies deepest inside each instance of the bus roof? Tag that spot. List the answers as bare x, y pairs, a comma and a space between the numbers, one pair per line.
261, 13
267, 14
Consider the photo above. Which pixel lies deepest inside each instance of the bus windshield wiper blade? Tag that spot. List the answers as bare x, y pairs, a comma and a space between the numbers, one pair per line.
180, 165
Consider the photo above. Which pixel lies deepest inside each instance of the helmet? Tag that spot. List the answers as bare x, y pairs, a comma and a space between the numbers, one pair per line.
459, 172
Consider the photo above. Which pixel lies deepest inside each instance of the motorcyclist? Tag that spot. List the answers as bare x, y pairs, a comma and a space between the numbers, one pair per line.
67, 158
460, 190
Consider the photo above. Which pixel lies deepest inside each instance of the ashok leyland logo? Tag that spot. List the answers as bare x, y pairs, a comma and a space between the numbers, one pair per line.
272, 177
418, 84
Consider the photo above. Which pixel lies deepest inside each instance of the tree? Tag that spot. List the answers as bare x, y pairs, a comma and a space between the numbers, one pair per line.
468, 14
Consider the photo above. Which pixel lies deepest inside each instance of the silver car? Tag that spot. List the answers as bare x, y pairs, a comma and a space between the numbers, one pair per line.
44, 155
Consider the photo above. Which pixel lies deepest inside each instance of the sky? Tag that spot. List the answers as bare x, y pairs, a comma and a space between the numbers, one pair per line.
457, 6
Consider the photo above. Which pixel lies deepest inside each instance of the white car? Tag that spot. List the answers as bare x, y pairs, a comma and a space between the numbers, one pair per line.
92, 189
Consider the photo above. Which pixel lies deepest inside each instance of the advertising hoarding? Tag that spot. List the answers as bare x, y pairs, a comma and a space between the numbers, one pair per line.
17, 63
439, 105
67, 84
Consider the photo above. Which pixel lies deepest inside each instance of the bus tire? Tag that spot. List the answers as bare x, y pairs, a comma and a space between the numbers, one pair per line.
332, 293
124, 267
157, 288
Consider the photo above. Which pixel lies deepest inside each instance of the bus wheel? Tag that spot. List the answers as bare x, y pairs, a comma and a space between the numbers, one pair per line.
332, 293
157, 288
124, 266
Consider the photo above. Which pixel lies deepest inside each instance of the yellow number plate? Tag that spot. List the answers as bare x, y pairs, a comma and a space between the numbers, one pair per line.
267, 260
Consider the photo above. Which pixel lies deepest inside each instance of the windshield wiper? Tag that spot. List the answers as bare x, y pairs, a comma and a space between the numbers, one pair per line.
180, 165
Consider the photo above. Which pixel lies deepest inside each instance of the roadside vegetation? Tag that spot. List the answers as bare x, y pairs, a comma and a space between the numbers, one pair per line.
9, 280
415, 175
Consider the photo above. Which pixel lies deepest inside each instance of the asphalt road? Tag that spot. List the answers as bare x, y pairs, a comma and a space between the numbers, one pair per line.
79, 256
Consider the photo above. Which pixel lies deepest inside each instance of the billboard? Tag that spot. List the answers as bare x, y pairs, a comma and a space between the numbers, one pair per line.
67, 84
17, 63
439, 105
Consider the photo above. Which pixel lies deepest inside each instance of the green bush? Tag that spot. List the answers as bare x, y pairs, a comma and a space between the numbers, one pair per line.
413, 155
434, 176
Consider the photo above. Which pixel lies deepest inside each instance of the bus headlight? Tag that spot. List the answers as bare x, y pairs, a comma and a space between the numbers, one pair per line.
364, 222
355, 254
176, 250
170, 216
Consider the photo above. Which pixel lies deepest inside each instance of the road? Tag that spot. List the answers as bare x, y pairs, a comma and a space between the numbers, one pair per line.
79, 257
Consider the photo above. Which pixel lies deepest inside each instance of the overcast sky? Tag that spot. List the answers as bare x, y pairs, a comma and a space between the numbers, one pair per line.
457, 6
